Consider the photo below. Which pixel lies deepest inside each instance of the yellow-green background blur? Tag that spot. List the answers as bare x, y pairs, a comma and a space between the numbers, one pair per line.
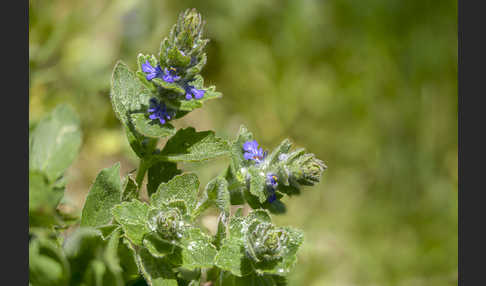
370, 87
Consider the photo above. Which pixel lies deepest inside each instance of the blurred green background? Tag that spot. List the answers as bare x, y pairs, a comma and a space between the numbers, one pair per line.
370, 87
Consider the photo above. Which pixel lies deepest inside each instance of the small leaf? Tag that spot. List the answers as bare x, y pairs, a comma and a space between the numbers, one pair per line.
42, 197
130, 189
160, 172
181, 187
257, 183
231, 257
191, 146
104, 194
107, 230
151, 128
157, 246
156, 271
132, 216
55, 142
216, 191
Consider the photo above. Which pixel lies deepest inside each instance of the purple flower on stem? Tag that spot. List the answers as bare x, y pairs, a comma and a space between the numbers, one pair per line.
159, 111
252, 152
192, 92
170, 75
151, 71
272, 183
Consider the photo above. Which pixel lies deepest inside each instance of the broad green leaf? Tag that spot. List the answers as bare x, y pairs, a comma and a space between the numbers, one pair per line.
160, 172
192, 146
216, 191
132, 216
257, 183
47, 264
197, 250
231, 257
55, 142
105, 192
130, 189
181, 187
128, 94
156, 271
151, 128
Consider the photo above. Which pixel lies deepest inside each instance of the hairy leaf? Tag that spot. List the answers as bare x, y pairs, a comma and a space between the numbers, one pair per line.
192, 146
55, 142
181, 187
132, 216
105, 192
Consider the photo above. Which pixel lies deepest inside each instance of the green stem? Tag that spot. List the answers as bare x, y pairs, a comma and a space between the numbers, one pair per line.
142, 168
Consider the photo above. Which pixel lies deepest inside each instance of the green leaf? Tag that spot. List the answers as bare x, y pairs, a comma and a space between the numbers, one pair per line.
191, 146
283, 148
126, 254
107, 230
231, 257
132, 216
130, 189
216, 191
289, 259
237, 151
157, 246
47, 264
55, 142
151, 128
254, 279
197, 250
257, 183
156, 271
142, 146
128, 94
181, 187
160, 172
104, 194
43, 198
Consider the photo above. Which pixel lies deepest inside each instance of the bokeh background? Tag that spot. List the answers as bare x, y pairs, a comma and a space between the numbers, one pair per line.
370, 87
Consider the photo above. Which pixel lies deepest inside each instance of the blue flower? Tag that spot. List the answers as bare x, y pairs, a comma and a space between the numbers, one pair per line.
170, 75
191, 92
252, 152
159, 111
272, 183
151, 71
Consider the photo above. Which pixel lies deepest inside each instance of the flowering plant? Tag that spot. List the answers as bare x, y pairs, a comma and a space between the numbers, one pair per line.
124, 240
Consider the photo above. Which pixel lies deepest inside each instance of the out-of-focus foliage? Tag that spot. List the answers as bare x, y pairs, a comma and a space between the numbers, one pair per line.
369, 85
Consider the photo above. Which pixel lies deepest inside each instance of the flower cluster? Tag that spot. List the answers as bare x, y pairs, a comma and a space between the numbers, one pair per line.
160, 111
252, 152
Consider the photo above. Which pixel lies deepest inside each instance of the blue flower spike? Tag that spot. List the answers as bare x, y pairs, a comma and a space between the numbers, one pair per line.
151, 71
192, 92
272, 183
252, 152
170, 75
159, 111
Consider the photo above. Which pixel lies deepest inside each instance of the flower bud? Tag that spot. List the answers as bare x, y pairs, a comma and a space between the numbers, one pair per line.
169, 224
306, 169
267, 242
